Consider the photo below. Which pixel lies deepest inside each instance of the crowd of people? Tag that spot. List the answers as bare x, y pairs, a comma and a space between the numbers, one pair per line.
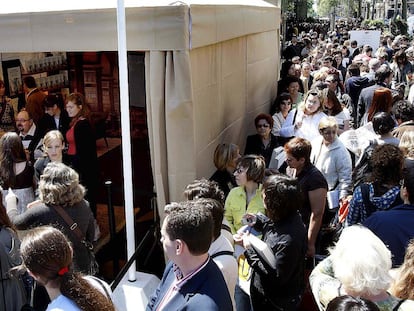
325, 185
48, 179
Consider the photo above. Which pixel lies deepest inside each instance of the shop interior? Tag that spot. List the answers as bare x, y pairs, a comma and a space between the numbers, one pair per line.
95, 75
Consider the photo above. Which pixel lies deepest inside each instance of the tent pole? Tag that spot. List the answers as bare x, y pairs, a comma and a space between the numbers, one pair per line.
126, 136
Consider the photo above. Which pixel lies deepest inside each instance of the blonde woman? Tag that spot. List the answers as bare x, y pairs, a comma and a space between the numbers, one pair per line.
332, 159
303, 122
53, 145
59, 186
358, 265
225, 158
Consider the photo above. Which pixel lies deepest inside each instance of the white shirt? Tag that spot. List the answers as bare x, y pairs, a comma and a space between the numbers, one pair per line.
226, 263
308, 129
62, 303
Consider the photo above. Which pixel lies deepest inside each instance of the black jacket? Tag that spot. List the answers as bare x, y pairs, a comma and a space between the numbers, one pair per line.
279, 288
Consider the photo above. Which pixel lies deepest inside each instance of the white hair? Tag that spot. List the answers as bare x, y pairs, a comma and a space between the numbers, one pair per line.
361, 261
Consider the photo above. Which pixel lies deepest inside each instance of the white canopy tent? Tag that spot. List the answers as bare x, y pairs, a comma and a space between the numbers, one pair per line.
211, 66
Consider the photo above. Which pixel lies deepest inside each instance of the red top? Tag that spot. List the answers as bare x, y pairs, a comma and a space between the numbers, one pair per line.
70, 138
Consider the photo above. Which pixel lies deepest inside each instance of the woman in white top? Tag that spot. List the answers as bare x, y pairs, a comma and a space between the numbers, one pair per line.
281, 107
303, 121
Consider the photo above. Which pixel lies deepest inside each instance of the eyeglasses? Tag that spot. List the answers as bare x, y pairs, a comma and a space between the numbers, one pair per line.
263, 125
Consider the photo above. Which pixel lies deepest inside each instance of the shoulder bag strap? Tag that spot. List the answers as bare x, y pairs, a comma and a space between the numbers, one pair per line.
294, 116
221, 253
73, 226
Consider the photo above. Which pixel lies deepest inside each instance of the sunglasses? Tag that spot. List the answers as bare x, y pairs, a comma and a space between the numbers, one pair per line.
263, 125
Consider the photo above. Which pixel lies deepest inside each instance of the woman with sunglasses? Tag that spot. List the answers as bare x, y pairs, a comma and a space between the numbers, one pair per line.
303, 121
263, 142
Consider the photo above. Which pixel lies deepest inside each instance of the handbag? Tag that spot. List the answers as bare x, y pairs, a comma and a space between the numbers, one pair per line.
73, 226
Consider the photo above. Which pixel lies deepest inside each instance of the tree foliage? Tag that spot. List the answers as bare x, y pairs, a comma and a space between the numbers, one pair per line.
325, 7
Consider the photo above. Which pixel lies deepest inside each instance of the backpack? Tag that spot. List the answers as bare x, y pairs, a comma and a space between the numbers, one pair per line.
363, 167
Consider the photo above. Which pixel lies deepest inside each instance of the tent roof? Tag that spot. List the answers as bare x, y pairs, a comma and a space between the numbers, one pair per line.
90, 25
30, 6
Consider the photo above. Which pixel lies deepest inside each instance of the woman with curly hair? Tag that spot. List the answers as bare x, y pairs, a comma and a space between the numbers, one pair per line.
47, 256
358, 265
59, 186
383, 189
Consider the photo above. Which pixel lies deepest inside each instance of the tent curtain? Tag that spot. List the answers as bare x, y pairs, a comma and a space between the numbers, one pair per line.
170, 122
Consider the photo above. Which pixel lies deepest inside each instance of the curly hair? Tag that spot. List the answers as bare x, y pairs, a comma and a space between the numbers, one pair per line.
403, 110
282, 196
403, 287
11, 152
263, 116
387, 163
45, 251
361, 262
59, 185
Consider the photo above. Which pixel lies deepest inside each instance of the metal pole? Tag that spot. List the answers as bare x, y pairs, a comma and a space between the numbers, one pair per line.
112, 227
126, 136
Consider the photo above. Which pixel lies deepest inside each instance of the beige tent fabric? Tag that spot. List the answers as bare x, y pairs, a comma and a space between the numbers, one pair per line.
200, 97
210, 68
170, 122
